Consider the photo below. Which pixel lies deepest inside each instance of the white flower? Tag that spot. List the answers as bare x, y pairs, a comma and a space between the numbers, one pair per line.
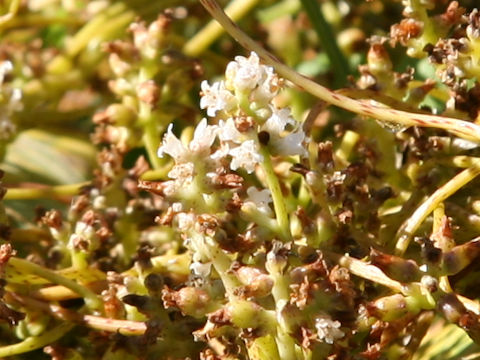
327, 329
246, 156
244, 73
216, 98
260, 199
268, 87
227, 131
172, 146
203, 138
284, 144
289, 145
277, 122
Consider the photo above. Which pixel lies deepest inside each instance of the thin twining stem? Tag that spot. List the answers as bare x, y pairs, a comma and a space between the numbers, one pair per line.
408, 228
457, 127
124, 327
91, 299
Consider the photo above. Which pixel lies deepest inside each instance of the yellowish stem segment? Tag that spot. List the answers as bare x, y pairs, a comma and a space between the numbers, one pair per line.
36, 342
46, 192
411, 225
91, 299
277, 196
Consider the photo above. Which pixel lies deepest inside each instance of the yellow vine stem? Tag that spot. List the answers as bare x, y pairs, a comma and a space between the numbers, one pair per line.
441, 242
91, 299
408, 228
44, 191
124, 327
36, 342
457, 127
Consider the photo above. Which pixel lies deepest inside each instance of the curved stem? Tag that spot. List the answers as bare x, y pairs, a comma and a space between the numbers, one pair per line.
91, 299
457, 127
36, 342
277, 196
46, 192
151, 138
408, 228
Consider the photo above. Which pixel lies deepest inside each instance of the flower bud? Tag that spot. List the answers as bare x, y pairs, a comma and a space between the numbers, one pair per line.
257, 283
388, 308
395, 267
378, 59
451, 307
276, 259
460, 257
190, 300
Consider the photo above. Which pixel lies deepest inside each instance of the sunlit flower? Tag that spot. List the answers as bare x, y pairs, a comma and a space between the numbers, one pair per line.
245, 156
216, 98
268, 87
289, 145
182, 172
244, 73
200, 269
203, 138
185, 221
277, 122
228, 132
172, 146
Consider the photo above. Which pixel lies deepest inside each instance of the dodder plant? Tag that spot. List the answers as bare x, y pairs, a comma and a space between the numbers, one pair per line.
266, 230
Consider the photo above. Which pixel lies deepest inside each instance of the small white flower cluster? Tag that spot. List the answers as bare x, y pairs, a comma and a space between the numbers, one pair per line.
186, 157
247, 92
10, 101
328, 330
242, 105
